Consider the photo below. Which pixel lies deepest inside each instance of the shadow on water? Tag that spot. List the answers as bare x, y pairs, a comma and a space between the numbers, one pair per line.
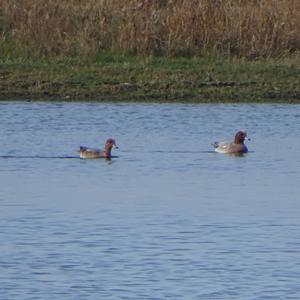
39, 157
188, 152
47, 157
171, 151
115, 156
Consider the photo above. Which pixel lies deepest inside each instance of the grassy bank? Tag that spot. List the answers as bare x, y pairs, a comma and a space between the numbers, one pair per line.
133, 78
164, 50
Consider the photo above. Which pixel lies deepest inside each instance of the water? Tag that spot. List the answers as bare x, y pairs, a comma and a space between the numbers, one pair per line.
167, 219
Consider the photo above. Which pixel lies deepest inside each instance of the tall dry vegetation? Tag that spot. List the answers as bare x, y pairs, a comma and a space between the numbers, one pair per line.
248, 28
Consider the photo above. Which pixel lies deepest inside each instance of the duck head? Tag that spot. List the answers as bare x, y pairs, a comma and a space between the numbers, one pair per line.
110, 143
240, 137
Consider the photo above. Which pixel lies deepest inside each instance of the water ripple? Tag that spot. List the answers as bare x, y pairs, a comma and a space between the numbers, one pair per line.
168, 218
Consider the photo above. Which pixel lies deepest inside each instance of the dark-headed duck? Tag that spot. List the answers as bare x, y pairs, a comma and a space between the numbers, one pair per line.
85, 152
236, 147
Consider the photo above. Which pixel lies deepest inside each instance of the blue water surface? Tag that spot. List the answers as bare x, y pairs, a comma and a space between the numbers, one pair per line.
168, 218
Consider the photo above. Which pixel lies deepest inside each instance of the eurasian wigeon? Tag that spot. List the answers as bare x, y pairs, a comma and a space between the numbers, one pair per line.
85, 152
236, 147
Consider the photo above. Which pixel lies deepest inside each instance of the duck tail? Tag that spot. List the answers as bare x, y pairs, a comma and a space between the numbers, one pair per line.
215, 144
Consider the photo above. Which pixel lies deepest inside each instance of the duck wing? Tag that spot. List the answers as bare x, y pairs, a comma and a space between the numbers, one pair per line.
83, 148
87, 149
221, 147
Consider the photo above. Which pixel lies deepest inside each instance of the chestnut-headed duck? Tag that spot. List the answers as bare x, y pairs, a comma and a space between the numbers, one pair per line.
236, 147
85, 152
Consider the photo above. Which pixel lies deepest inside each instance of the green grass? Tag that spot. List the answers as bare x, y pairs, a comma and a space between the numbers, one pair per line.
115, 77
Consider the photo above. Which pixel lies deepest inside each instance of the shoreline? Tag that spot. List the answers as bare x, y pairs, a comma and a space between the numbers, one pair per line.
156, 79
58, 99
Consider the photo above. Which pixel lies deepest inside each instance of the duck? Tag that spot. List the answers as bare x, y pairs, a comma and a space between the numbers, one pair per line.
235, 147
86, 152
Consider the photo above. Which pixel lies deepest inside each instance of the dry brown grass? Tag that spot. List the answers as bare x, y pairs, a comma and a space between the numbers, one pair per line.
246, 28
